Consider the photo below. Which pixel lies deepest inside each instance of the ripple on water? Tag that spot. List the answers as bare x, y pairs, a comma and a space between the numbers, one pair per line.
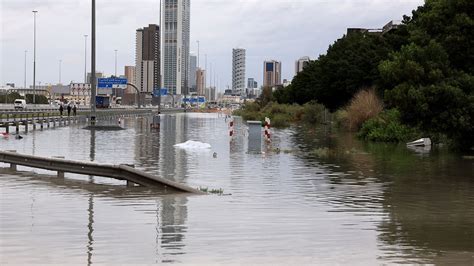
364, 206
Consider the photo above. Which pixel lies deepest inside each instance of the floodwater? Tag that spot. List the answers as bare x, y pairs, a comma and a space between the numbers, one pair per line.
324, 198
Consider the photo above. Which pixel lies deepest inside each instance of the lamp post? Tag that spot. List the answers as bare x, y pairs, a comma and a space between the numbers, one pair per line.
93, 78
161, 66
198, 54
60, 61
116, 63
24, 80
34, 58
85, 59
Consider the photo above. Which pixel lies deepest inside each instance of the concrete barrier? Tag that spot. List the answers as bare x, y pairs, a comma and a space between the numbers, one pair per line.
120, 172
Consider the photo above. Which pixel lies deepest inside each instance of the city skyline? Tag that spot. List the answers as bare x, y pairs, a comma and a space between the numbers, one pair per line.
309, 31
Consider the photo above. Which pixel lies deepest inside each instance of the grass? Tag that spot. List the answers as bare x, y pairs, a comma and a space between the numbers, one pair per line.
219, 191
364, 106
283, 115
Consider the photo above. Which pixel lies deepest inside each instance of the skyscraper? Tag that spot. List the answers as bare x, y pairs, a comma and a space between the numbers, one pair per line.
252, 84
238, 70
175, 35
192, 72
271, 73
147, 59
301, 64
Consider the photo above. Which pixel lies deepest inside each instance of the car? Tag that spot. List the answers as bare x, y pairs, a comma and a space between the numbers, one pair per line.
19, 104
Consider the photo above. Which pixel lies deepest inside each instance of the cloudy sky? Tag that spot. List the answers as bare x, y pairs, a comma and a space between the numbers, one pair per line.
283, 30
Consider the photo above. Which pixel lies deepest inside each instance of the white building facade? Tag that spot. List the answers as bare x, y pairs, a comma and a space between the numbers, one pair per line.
175, 21
238, 70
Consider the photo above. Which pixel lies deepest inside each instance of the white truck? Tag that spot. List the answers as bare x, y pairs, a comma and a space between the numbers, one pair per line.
19, 104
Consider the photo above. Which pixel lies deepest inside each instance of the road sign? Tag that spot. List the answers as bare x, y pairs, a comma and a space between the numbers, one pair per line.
163, 91
105, 83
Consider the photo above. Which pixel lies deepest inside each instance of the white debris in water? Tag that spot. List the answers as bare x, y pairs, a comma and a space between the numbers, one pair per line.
193, 145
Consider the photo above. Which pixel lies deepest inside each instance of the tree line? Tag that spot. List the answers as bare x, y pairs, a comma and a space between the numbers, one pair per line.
423, 69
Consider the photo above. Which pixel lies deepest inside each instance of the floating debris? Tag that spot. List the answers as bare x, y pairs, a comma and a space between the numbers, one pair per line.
193, 145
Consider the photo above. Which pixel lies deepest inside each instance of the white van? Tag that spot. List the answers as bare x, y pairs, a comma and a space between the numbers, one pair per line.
19, 104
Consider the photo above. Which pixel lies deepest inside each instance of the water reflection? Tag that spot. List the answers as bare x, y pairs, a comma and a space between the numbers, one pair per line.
90, 227
427, 198
335, 199
169, 212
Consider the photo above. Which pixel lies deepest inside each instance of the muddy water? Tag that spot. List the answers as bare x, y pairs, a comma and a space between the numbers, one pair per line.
325, 198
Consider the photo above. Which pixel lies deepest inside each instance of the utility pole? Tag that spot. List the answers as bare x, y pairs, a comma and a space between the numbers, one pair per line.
161, 66
85, 59
24, 80
198, 54
93, 74
34, 58
60, 61
116, 63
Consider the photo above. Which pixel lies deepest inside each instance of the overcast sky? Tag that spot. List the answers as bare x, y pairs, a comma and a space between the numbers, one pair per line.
283, 30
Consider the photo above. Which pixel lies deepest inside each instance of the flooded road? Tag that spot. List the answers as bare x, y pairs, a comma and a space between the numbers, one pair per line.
325, 198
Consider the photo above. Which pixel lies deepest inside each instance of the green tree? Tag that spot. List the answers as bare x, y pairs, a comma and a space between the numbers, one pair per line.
350, 64
39, 99
431, 80
265, 97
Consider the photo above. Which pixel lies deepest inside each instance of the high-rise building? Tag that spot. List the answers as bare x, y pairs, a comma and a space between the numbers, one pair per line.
192, 72
301, 64
271, 73
238, 70
176, 15
130, 76
200, 81
252, 84
147, 59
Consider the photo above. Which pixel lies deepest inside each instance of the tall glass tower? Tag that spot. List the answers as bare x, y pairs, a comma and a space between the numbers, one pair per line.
175, 19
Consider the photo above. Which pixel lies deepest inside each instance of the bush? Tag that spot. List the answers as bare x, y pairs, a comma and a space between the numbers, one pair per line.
364, 106
283, 115
250, 111
340, 118
387, 127
281, 120
313, 113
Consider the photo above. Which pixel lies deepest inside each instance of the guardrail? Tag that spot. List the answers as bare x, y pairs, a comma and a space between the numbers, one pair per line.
120, 172
47, 118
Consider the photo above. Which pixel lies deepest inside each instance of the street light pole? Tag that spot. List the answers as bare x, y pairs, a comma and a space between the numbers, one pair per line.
34, 58
93, 74
161, 66
116, 63
198, 54
85, 59
24, 80
60, 61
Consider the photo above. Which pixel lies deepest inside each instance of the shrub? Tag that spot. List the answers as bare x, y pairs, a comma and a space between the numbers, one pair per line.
364, 106
387, 127
313, 113
283, 115
340, 118
281, 120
